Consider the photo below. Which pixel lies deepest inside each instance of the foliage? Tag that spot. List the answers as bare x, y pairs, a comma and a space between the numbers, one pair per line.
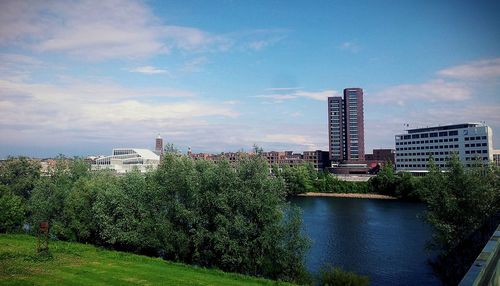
11, 210
332, 184
304, 178
459, 200
402, 185
217, 215
20, 175
77, 264
299, 179
333, 276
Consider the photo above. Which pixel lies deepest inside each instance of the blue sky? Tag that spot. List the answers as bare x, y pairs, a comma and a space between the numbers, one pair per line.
82, 77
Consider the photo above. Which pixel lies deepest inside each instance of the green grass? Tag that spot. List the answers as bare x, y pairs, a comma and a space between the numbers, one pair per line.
80, 264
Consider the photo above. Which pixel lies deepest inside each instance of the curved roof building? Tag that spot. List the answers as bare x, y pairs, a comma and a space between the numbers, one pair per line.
125, 160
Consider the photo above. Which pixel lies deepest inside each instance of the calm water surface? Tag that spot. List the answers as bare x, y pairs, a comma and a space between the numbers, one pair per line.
383, 239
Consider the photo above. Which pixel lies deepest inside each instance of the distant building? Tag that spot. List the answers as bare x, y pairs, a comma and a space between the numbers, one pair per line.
381, 156
496, 157
125, 160
319, 159
346, 127
159, 146
472, 142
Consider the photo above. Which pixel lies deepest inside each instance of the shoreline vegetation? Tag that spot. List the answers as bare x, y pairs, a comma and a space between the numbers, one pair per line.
229, 216
347, 195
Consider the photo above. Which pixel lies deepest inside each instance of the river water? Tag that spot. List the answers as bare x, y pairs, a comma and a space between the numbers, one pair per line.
383, 239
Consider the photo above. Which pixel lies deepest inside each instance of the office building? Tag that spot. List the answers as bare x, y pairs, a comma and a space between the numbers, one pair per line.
472, 142
346, 126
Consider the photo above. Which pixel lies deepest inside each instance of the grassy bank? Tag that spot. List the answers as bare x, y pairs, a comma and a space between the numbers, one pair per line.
80, 264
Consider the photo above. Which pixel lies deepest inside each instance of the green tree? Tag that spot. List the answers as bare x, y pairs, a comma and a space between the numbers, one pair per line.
299, 179
12, 210
20, 174
459, 200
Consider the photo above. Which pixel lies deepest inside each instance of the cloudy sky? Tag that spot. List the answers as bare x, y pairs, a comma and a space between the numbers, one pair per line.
82, 77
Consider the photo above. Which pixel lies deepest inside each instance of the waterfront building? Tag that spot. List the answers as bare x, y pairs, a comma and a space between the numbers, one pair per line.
124, 160
319, 159
472, 142
346, 127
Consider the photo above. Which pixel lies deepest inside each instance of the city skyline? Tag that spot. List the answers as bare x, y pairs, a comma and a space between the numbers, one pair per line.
82, 77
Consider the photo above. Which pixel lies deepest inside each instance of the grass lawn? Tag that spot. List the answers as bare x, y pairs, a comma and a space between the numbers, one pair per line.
81, 264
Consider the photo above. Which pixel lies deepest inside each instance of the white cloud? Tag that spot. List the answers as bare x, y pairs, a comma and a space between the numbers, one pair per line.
350, 47
431, 91
149, 70
194, 65
276, 96
291, 139
318, 95
97, 30
483, 69
282, 88
294, 94
95, 108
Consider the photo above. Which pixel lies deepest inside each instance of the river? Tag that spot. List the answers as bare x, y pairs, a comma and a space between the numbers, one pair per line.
383, 239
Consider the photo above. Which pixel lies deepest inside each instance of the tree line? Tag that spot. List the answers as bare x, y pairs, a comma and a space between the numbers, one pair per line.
234, 218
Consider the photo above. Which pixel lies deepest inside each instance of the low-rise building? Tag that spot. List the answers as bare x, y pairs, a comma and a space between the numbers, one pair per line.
471, 142
124, 160
381, 156
319, 159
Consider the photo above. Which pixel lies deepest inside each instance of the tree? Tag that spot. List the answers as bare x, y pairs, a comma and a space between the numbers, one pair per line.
459, 200
11, 210
20, 175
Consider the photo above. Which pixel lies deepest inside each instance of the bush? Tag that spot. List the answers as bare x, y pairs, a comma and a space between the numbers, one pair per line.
11, 211
334, 276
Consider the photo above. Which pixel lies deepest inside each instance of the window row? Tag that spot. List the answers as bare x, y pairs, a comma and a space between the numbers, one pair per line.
428, 141
476, 151
424, 153
475, 138
426, 147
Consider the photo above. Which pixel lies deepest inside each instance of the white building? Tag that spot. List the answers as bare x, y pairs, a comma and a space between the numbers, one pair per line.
470, 141
125, 160
496, 157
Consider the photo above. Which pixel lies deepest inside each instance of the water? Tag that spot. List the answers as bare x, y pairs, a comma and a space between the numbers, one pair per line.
383, 239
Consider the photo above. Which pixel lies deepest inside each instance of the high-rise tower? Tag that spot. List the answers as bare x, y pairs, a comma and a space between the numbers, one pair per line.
159, 145
346, 130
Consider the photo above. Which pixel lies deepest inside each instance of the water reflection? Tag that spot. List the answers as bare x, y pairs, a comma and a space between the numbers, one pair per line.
383, 239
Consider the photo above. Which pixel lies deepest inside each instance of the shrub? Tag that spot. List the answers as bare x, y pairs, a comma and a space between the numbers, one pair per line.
11, 210
334, 276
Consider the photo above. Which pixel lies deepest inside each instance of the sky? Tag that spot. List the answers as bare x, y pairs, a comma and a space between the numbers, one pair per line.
82, 77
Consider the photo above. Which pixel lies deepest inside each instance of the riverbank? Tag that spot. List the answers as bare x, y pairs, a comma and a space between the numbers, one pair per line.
349, 195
